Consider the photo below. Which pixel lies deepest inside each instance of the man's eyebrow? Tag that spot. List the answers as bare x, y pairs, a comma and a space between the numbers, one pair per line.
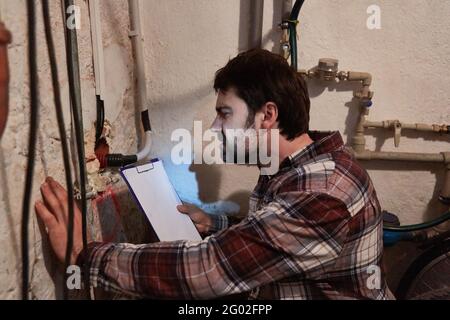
223, 108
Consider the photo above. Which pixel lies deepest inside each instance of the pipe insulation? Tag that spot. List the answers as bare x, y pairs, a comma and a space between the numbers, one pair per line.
97, 48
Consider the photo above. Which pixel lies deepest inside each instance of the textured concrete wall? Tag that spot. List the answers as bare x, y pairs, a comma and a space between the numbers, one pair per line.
186, 42
45, 278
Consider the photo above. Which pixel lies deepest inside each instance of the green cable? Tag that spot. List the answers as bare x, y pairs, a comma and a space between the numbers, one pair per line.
292, 25
293, 43
420, 226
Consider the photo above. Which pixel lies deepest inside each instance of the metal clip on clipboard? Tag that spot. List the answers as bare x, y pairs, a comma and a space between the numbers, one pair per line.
145, 168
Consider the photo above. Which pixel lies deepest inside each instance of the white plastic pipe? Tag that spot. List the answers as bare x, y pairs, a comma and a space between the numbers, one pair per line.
97, 48
145, 151
137, 42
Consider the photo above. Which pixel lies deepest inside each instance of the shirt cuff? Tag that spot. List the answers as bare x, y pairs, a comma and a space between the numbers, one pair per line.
86, 255
219, 222
222, 221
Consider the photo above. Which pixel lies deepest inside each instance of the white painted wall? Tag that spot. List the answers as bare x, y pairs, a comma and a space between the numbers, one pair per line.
186, 42
407, 57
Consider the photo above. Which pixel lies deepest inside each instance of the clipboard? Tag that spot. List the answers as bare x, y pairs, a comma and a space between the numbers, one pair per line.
154, 193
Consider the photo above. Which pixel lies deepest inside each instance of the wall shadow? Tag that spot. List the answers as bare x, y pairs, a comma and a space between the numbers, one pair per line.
317, 87
381, 135
433, 207
251, 28
209, 180
250, 24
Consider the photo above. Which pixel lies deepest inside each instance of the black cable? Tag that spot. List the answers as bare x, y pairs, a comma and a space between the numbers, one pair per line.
61, 127
145, 118
100, 122
296, 9
34, 108
73, 71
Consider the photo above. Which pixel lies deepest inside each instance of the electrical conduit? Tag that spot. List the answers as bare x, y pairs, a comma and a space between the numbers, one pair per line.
119, 160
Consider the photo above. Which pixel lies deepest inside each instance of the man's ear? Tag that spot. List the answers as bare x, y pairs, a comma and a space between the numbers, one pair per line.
269, 116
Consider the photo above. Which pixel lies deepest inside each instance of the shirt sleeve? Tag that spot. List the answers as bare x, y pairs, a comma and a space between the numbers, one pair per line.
222, 221
273, 243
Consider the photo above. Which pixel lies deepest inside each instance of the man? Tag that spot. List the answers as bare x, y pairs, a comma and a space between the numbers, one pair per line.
5, 39
314, 229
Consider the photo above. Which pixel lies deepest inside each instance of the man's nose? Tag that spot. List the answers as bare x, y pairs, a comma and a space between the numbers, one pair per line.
216, 125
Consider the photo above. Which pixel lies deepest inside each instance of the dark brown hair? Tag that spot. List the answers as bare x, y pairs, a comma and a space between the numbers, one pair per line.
259, 76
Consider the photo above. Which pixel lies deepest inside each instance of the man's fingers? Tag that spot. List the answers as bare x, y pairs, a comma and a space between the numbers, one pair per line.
63, 197
196, 216
58, 190
187, 208
45, 215
183, 208
52, 201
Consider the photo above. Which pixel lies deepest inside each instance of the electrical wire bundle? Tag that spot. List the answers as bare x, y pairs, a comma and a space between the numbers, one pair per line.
34, 103
75, 98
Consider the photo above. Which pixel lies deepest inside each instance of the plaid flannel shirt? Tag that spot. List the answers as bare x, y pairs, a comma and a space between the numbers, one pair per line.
314, 231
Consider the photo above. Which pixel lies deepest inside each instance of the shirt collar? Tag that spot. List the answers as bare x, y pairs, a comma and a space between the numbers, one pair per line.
323, 142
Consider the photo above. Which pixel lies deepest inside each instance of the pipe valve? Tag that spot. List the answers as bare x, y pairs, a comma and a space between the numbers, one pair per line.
327, 69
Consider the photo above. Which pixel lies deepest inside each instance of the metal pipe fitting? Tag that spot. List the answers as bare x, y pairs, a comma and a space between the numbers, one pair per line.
387, 124
327, 69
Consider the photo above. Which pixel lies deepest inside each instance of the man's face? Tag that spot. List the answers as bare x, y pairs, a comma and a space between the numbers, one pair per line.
237, 127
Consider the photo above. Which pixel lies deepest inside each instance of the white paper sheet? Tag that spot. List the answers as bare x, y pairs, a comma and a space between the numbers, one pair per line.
156, 196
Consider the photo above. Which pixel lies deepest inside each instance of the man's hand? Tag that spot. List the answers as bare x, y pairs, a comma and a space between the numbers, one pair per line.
54, 212
202, 220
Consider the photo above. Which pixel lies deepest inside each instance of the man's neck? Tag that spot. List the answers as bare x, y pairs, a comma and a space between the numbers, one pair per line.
287, 147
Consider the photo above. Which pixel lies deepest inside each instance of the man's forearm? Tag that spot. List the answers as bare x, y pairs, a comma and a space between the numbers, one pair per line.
264, 247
